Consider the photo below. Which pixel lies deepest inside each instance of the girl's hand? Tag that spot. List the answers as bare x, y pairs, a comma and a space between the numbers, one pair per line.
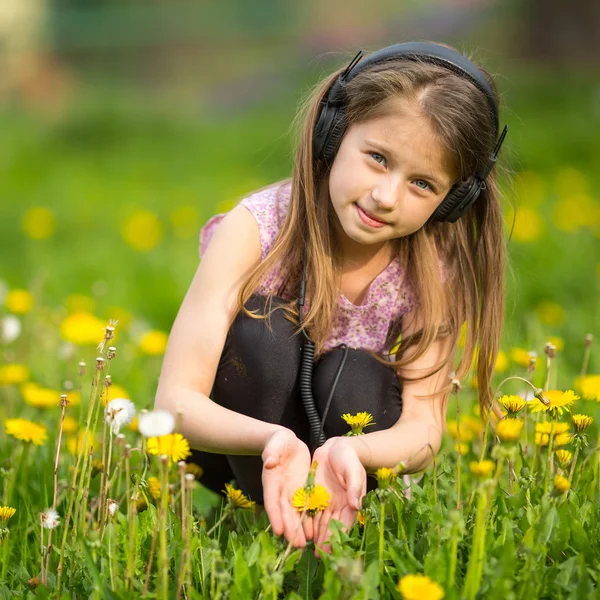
286, 463
341, 472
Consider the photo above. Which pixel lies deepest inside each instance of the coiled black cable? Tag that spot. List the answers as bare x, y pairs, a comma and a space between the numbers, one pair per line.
315, 422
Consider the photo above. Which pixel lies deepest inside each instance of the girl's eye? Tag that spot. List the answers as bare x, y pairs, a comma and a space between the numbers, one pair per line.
377, 154
426, 184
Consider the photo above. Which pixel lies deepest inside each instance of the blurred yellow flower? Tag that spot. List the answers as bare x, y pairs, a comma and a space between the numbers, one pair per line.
82, 328
115, 391
173, 445
26, 431
575, 211
237, 499
80, 303
38, 223
481, 468
523, 357
318, 499
461, 448
559, 402
154, 487
465, 434
528, 226
582, 422
75, 443
419, 587
558, 342
133, 426
18, 301
13, 374
589, 387
360, 517
154, 342
196, 470
512, 404
562, 439
550, 313
185, 221
142, 230
561, 484
548, 426
501, 362
70, 424
509, 430
39, 397
530, 188
564, 458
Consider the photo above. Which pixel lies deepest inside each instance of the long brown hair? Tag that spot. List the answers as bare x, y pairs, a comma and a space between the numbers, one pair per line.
472, 250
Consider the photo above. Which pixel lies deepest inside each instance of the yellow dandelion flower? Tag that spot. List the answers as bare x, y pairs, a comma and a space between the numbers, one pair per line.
589, 387
512, 404
358, 422
472, 424
481, 469
420, 587
564, 458
558, 402
154, 343
509, 430
115, 391
19, 302
154, 487
82, 328
237, 499
142, 230
360, 517
384, 476
196, 470
461, 448
39, 397
555, 427
134, 425
13, 374
38, 223
550, 313
558, 342
318, 499
561, 484
582, 422
174, 445
562, 439
501, 365
70, 425
6, 512
26, 431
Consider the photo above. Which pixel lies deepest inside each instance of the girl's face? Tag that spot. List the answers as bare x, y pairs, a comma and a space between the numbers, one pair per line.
387, 178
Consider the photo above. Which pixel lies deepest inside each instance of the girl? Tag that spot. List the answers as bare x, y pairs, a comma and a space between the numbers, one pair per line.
389, 226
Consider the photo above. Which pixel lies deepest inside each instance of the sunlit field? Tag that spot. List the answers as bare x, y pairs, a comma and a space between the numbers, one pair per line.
101, 213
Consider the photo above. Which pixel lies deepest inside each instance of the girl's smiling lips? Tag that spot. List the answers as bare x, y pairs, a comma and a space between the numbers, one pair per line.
369, 219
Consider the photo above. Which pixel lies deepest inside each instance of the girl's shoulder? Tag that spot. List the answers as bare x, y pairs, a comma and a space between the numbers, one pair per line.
268, 205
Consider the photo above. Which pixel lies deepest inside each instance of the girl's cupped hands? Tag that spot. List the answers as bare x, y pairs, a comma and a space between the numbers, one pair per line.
341, 472
286, 464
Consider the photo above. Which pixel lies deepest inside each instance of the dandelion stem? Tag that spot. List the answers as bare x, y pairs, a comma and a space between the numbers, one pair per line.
63, 404
162, 525
150, 560
573, 464
224, 515
381, 530
586, 354
549, 462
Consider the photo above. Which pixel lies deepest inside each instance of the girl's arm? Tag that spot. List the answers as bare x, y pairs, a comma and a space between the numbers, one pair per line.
197, 339
417, 435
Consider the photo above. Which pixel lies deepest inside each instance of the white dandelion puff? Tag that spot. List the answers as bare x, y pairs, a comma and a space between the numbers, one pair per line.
119, 412
10, 326
50, 519
113, 507
156, 423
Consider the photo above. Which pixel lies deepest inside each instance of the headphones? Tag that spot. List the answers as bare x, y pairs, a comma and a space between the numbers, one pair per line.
331, 126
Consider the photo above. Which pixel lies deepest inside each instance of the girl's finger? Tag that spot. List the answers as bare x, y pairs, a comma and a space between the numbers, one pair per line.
308, 527
291, 524
271, 501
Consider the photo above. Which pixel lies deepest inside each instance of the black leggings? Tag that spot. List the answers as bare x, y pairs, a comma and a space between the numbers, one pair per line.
258, 376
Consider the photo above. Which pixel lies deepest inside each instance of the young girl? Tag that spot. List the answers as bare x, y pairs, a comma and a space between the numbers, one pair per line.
390, 226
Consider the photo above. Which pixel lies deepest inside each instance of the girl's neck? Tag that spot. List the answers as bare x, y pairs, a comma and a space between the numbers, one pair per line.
357, 256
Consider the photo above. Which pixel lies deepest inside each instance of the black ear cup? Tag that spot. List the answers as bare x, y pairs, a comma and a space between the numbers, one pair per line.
458, 201
334, 139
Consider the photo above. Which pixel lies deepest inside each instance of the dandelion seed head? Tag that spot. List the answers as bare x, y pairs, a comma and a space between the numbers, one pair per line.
156, 423
50, 518
119, 412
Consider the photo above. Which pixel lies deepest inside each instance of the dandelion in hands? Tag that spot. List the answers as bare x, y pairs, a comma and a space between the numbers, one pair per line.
358, 422
313, 501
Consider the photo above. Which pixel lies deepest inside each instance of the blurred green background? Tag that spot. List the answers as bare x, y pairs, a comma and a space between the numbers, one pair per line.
126, 125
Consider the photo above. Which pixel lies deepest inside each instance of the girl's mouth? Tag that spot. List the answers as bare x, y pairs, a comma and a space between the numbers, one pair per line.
368, 220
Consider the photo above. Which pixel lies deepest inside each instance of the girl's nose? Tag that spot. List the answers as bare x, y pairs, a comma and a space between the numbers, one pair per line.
386, 194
